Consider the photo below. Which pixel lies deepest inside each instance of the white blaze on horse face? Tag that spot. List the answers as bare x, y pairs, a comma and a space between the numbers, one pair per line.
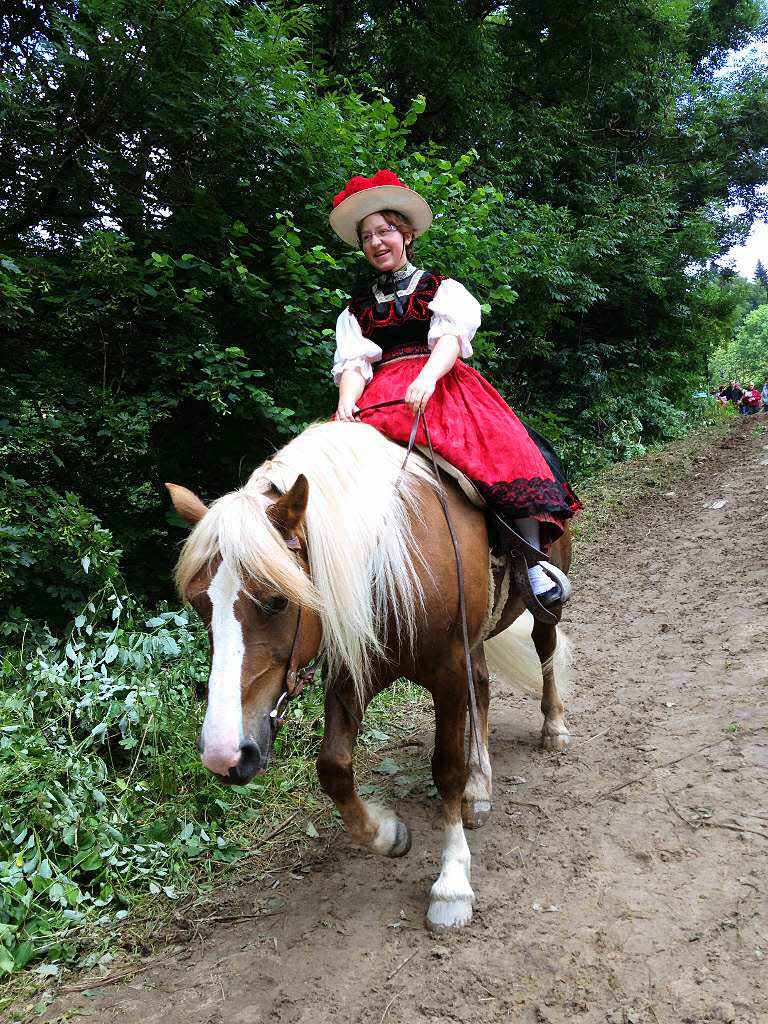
223, 725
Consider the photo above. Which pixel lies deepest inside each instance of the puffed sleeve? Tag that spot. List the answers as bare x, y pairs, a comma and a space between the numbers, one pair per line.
456, 312
353, 351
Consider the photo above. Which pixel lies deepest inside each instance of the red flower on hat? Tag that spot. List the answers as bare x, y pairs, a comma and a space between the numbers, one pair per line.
359, 184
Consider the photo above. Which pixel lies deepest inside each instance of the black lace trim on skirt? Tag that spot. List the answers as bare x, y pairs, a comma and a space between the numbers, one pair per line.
518, 499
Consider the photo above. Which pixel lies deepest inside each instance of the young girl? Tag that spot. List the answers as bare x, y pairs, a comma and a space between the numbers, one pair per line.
406, 337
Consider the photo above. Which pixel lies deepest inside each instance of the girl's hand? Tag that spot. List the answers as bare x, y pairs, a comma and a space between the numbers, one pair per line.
420, 392
346, 411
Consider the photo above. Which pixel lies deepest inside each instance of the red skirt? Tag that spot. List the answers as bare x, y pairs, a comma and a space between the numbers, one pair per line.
474, 429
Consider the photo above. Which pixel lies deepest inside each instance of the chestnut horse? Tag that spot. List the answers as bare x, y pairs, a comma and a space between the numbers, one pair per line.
330, 548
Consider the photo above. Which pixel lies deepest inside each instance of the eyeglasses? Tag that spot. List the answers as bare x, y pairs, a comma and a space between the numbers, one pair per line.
381, 233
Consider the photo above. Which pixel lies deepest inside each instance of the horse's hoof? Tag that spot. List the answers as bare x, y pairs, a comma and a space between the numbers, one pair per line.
475, 813
557, 742
402, 843
445, 915
392, 837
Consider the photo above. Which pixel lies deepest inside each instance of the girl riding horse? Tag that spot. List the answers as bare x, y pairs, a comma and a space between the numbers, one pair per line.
331, 547
407, 336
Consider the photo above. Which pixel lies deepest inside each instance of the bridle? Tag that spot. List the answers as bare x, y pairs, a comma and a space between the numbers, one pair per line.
522, 553
296, 679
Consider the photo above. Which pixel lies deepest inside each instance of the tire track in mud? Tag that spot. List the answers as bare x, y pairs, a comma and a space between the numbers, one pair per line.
645, 904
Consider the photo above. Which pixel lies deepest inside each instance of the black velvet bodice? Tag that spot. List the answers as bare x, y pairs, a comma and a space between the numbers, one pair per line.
379, 320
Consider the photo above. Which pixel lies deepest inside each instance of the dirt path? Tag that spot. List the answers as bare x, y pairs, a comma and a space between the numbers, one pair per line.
645, 903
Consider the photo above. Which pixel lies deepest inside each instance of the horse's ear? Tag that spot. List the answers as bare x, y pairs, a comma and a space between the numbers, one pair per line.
187, 505
287, 513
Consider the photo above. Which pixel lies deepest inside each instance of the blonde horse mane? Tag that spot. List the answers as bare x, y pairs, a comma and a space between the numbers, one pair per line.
362, 554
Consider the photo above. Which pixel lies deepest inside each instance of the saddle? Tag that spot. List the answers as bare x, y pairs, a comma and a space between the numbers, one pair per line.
510, 554
522, 554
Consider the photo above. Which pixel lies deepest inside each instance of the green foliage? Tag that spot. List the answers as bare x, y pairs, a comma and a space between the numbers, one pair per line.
745, 357
51, 549
105, 801
168, 290
169, 285
95, 728
761, 277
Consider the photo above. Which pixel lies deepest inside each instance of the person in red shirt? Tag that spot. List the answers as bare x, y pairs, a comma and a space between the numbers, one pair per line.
750, 400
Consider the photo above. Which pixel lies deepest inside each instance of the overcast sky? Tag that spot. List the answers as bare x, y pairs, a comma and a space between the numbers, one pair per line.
744, 257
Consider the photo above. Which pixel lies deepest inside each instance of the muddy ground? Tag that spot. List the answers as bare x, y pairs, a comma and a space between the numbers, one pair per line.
624, 882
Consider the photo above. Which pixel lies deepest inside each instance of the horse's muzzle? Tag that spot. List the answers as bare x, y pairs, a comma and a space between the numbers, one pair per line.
253, 760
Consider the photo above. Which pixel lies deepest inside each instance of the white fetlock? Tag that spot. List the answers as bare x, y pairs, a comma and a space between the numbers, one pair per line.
555, 737
452, 897
393, 837
476, 800
477, 789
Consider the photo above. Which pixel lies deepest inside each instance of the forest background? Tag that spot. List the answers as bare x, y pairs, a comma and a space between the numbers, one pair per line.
168, 290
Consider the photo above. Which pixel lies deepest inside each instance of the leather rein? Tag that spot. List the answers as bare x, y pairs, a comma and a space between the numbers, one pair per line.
522, 553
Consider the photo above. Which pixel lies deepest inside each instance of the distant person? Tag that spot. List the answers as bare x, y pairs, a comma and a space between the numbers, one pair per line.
750, 401
732, 393
765, 396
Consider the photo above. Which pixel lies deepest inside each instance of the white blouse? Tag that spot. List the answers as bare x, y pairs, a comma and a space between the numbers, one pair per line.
454, 311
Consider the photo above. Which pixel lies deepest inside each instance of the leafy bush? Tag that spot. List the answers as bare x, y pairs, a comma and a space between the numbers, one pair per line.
104, 798
95, 729
52, 550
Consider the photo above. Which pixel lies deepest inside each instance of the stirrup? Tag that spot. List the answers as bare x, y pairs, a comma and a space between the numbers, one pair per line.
562, 589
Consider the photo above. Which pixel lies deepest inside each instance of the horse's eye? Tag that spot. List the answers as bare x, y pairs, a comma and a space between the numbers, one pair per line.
275, 605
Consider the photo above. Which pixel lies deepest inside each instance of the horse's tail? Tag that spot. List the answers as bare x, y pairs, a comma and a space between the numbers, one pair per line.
512, 658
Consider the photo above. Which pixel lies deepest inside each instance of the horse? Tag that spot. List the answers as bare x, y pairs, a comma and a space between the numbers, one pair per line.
331, 546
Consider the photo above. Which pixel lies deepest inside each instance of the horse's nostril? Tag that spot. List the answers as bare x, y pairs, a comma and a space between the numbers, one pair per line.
251, 761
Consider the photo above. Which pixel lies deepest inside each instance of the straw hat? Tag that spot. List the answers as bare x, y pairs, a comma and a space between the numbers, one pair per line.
384, 191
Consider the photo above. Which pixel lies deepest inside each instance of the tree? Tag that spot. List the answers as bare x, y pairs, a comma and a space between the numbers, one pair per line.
168, 285
745, 357
761, 276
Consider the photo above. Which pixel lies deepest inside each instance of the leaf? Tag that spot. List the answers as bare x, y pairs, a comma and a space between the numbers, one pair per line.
91, 862
48, 970
23, 955
6, 960
110, 654
387, 767
311, 831
85, 561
